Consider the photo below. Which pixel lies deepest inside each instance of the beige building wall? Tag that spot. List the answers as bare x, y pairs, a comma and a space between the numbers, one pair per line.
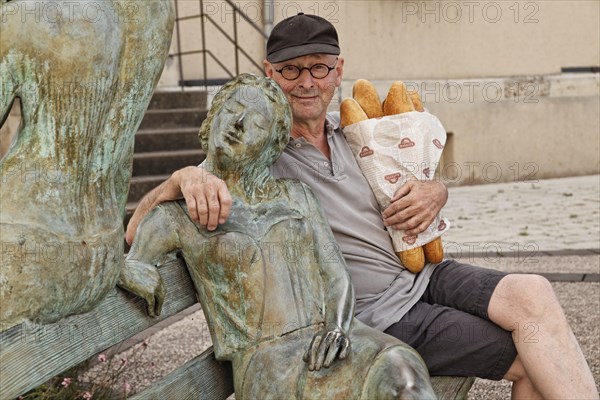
420, 39
490, 70
516, 128
441, 39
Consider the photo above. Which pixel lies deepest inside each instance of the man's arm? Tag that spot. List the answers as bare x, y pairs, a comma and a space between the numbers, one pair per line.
207, 198
415, 205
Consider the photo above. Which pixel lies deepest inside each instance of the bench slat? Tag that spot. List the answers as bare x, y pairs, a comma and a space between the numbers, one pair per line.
31, 354
200, 378
451, 387
206, 378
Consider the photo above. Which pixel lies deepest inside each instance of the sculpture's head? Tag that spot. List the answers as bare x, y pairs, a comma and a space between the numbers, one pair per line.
249, 122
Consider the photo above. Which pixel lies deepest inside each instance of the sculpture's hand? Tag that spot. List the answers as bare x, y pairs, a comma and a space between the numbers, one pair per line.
415, 206
325, 347
144, 281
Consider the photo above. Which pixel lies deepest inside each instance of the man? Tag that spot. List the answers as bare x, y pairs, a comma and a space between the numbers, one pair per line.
458, 317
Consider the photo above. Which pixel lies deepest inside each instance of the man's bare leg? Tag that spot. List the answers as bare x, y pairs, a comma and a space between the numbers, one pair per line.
522, 387
548, 350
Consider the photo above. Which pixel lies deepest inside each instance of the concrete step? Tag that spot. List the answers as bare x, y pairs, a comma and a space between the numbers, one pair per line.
179, 99
166, 139
173, 118
165, 162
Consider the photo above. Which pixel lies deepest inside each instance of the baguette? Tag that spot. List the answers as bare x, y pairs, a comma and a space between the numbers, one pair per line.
416, 100
398, 100
433, 251
365, 104
413, 259
351, 112
366, 95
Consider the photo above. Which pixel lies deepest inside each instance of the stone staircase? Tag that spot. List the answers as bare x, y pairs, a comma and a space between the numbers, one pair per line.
166, 140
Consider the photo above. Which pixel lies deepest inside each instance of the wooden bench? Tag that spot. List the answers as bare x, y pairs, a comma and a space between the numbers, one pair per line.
31, 355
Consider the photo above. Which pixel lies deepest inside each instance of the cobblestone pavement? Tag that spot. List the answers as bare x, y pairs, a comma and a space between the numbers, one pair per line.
549, 226
524, 217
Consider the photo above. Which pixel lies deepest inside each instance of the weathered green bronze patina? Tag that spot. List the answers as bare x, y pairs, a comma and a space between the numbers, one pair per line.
271, 280
85, 72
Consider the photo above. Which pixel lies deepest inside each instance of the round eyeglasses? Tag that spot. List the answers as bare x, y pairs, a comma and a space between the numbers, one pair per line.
317, 71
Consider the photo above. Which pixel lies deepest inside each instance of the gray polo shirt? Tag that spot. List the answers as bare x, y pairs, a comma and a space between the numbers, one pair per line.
384, 289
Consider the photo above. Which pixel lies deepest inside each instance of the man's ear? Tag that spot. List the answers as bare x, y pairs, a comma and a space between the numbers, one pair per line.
269, 70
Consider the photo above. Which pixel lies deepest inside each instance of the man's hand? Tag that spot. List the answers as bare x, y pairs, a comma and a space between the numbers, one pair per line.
415, 206
325, 347
207, 198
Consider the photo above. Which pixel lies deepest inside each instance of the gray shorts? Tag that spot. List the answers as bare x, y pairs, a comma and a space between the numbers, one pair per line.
450, 328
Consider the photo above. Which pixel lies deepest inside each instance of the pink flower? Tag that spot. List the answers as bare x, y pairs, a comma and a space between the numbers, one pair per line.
126, 387
102, 358
66, 382
87, 395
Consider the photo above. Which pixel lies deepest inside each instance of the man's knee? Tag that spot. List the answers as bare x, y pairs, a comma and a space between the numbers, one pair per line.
523, 296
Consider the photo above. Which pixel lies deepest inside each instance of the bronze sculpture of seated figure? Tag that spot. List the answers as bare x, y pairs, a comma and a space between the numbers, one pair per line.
279, 303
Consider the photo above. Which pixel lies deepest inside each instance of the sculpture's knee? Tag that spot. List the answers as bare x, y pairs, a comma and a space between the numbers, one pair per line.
398, 373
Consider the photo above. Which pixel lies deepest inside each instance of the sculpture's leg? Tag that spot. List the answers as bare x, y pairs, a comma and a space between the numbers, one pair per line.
398, 373
379, 367
84, 88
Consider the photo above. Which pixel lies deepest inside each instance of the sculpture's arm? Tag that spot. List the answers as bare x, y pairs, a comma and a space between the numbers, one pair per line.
156, 237
333, 342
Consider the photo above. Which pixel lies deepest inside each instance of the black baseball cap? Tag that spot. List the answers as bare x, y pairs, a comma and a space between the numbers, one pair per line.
301, 35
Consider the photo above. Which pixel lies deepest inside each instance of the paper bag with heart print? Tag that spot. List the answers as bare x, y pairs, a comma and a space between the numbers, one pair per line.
394, 149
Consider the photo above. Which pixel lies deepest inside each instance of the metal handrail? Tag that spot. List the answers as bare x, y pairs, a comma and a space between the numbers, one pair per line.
206, 53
